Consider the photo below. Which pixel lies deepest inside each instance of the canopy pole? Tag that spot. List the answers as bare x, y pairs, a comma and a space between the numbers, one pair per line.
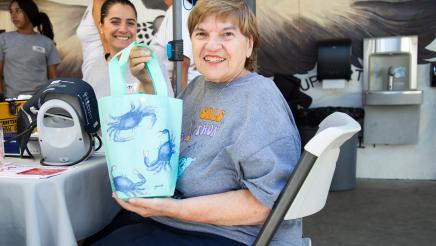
177, 35
252, 5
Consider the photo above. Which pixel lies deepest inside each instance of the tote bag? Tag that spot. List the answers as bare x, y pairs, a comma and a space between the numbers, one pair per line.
140, 133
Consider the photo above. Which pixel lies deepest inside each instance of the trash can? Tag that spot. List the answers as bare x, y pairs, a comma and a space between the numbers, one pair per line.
307, 120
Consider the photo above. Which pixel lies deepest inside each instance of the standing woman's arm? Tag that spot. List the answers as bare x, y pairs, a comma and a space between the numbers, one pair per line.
96, 10
51, 71
1, 78
53, 59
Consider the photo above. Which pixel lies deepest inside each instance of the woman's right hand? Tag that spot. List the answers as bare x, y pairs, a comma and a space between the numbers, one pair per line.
137, 59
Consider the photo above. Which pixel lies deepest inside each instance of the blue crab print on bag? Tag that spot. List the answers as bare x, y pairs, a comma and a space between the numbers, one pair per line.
184, 162
166, 150
128, 121
127, 186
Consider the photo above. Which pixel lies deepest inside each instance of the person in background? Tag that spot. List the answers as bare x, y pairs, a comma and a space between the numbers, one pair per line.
27, 58
93, 44
232, 174
165, 34
118, 28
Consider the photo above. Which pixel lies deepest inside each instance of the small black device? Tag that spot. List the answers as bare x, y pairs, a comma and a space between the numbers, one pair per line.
82, 98
175, 50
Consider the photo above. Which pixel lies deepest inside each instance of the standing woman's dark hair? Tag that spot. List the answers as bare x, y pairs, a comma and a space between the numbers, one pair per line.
38, 19
108, 4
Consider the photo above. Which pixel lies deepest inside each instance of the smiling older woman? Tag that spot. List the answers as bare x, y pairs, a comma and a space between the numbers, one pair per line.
240, 142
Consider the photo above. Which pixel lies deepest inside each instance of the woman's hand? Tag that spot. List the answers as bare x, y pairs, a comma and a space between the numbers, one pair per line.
147, 207
137, 59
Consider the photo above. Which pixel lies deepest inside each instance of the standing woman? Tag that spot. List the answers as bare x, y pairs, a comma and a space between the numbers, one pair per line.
93, 43
27, 58
118, 28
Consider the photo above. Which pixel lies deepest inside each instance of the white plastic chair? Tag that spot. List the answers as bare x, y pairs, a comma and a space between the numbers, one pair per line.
306, 190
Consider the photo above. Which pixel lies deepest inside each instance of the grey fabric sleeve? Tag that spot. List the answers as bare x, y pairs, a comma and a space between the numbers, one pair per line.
266, 172
53, 55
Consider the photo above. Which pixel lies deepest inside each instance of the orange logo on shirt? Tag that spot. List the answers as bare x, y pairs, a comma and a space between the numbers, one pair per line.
208, 113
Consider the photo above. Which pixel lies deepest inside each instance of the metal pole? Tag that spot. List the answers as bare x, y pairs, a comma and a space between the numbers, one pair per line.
252, 5
286, 198
177, 35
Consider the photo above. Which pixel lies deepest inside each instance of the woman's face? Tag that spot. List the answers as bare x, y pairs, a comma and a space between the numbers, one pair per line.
220, 49
119, 27
18, 17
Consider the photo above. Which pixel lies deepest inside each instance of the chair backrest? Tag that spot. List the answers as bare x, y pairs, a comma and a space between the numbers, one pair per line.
307, 188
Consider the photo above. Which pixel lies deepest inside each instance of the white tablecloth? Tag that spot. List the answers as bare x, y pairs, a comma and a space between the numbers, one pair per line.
59, 210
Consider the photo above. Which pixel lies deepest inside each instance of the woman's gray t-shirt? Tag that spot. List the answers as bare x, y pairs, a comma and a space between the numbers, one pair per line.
240, 135
26, 58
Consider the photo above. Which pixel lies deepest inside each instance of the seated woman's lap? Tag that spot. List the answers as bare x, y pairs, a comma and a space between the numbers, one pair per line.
153, 233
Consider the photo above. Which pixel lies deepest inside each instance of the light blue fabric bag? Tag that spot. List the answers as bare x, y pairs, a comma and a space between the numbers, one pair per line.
141, 133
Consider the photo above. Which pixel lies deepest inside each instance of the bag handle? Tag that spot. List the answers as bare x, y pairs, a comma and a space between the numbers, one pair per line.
117, 71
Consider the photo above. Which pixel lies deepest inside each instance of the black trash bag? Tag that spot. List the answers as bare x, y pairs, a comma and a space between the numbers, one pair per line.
312, 117
308, 120
289, 85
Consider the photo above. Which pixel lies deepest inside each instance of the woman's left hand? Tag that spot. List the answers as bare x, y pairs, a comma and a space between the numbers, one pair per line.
147, 207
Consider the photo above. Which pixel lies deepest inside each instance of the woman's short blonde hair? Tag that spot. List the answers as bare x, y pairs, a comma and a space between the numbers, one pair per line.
239, 10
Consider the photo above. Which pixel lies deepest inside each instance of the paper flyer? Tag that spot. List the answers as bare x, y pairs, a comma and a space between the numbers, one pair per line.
15, 170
